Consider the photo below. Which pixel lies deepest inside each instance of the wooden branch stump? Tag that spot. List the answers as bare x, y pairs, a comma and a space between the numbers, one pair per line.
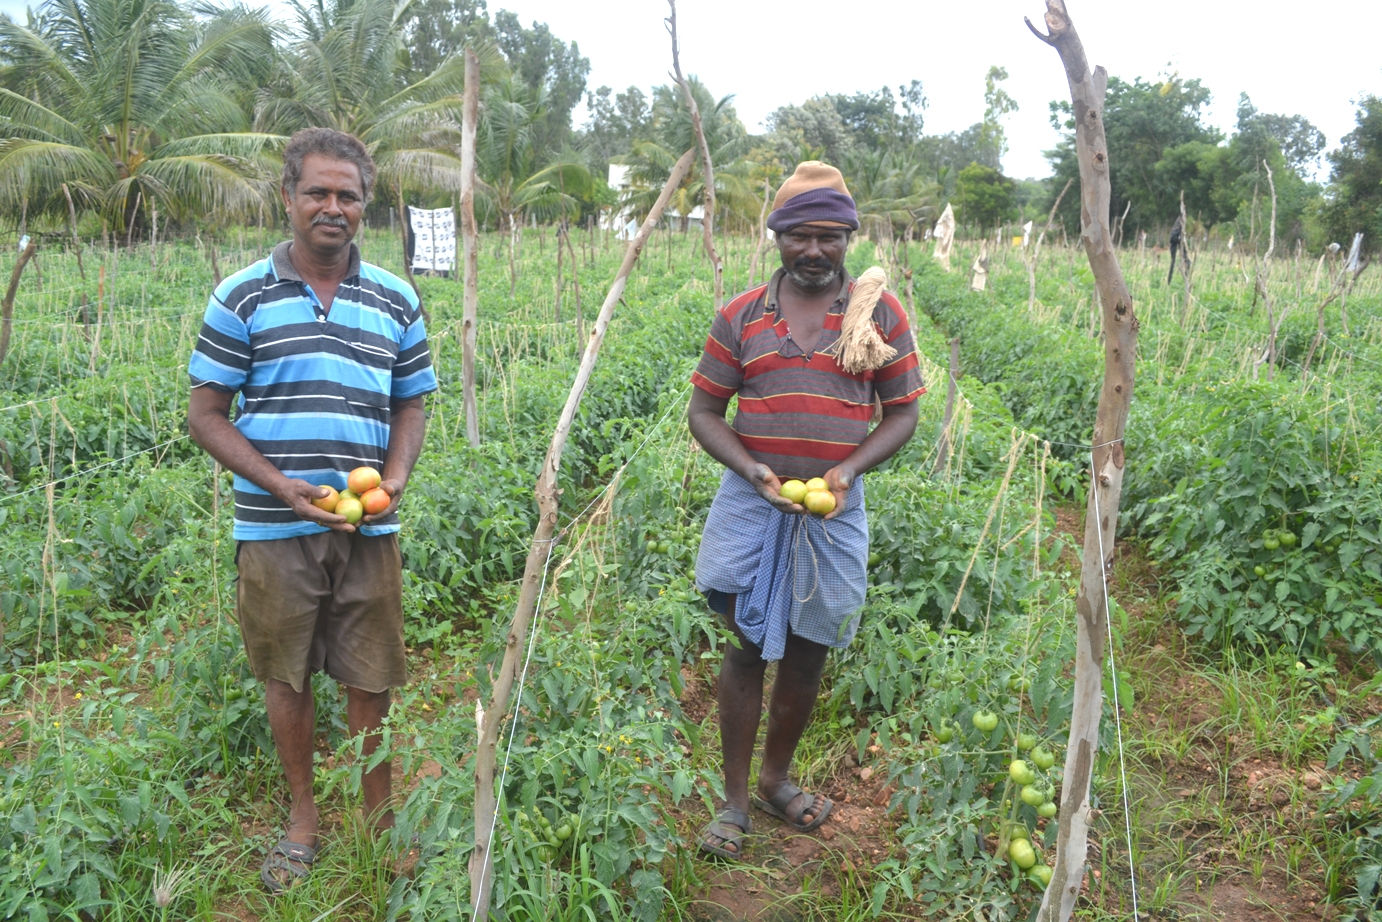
1108, 459
470, 247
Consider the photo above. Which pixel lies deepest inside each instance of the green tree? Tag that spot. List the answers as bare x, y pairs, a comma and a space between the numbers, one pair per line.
614, 122
550, 68
1353, 201
1142, 120
984, 197
997, 106
129, 102
439, 29
1299, 141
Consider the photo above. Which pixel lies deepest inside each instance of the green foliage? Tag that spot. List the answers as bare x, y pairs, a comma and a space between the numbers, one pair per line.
984, 197
1354, 202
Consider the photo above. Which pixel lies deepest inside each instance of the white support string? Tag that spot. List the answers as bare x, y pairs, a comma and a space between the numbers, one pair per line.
513, 726
1113, 668
91, 470
533, 632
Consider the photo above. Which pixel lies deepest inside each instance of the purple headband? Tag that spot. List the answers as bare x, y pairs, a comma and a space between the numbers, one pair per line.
812, 206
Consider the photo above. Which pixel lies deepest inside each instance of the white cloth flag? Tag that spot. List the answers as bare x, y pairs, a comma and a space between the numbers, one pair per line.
434, 239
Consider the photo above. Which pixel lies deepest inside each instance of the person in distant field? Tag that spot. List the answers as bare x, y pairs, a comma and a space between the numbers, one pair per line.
329, 356
790, 585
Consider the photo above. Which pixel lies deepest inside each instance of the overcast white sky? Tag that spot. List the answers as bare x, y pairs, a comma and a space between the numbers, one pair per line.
1289, 59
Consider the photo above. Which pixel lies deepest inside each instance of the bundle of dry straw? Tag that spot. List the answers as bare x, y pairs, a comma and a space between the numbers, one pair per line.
860, 347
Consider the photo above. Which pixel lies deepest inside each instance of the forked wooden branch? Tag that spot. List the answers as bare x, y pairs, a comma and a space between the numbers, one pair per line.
470, 117
1106, 487
548, 505
708, 224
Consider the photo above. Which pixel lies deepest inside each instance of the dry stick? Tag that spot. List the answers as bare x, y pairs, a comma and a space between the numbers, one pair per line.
1107, 456
470, 118
575, 281
1263, 269
762, 238
481, 868
129, 231
943, 449
1036, 247
7, 306
708, 222
403, 230
76, 241
100, 308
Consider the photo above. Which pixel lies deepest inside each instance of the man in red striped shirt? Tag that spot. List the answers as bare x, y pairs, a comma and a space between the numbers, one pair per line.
790, 585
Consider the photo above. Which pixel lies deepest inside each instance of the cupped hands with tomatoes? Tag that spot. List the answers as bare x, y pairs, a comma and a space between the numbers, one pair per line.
367, 498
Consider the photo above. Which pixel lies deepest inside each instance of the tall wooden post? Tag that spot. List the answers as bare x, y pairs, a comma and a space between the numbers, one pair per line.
943, 448
708, 224
1107, 462
7, 306
470, 116
548, 504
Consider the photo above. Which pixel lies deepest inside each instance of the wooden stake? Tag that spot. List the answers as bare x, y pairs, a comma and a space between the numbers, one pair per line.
1087, 92
7, 306
943, 449
548, 500
708, 223
470, 242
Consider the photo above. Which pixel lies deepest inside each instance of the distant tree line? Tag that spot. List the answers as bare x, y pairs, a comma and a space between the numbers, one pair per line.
127, 112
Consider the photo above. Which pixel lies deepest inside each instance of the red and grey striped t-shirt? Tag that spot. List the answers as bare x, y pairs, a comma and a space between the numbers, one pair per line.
802, 414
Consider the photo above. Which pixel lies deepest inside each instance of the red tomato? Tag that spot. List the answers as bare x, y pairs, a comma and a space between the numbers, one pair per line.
362, 480
375, 501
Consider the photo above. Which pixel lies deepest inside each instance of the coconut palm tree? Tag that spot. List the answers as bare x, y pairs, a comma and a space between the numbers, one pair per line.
651, 159
349, 72
132, 101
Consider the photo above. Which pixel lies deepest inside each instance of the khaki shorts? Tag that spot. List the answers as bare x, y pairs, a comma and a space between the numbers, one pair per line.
330, 602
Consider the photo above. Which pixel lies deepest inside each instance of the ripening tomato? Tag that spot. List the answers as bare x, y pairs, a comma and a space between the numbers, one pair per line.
821, 502
793, 490
351, 509
375, 501
328, 502
362, 480
816, 483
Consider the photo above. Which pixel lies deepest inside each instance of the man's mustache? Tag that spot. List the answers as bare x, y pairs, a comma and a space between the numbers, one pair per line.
330, 221
803, 262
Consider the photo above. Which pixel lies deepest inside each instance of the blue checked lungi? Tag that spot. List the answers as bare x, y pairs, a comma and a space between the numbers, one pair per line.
794, 571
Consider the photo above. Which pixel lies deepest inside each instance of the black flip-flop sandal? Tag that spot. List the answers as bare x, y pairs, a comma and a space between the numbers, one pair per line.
734, 817
777, 806
292, 857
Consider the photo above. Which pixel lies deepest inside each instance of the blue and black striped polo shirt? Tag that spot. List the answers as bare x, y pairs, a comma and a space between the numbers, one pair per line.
315, 385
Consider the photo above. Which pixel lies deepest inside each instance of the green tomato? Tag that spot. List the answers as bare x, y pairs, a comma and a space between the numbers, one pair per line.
1040, 876
651, 547
985, 720
1019, 831
1021, 772
1043, 758
1022, 853
1287, 538
1260, 570
945, 732
1032, 795
1271, 544
664, 547
1026, 741
546, 853
875, 559
564, 832
1048, 809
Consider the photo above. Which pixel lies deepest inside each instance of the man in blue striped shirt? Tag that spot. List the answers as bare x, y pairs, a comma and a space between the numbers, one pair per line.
329, 356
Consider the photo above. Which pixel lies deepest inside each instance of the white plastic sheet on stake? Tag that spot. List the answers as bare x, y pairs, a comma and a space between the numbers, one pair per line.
434, 239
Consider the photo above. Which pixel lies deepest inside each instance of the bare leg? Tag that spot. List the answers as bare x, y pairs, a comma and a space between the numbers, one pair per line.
365, 711
789, 710
292, 718
741, 707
